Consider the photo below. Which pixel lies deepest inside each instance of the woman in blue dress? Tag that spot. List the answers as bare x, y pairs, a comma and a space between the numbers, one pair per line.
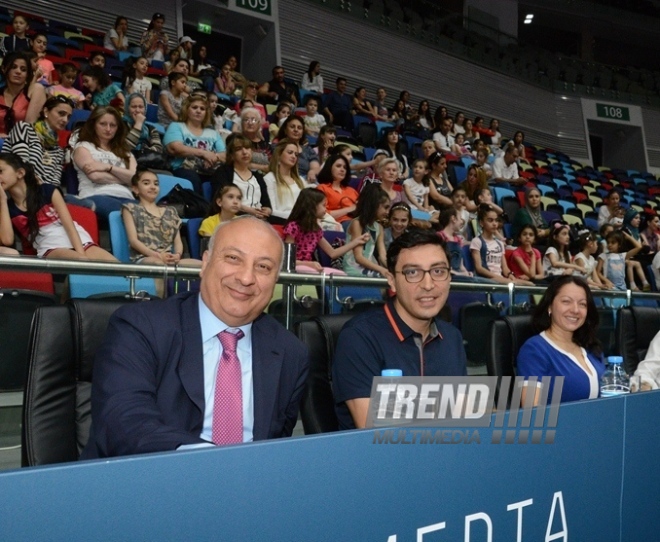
567, 345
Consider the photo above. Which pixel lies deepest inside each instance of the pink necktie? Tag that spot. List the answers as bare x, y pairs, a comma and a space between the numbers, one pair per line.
227, 425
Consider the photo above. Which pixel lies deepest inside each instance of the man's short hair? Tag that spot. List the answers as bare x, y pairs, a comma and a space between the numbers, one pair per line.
414, 237
509, 149
277, 68
340, 79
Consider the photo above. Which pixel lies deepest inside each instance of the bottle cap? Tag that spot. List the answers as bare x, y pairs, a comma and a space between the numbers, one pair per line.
615, 359
391, 372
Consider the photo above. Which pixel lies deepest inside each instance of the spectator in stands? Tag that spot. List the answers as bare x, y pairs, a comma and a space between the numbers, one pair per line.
531, 214
250, 124
416, 188
611, 212
484, 133
137, 413
525, 259
17, 41
651, 235
40, 216
404, 96
116, 39
142, 139
103, 161
96, 58
224, 83
44, 72
472, 184
250, 93
255, 200
518, 141
461, 147
278, 90
225, 206
459, 119
468, 132
567, 345
488, 251
428, 148
314, 121
587, 244
170, 101
283, 182
19, 99
325, 142
405, 335
617, 263
443, 139
398, 113
104, 91
180, 66
282, 113
439, 116
68, 73
557, 257
649, 369
496, 138
451, 225
382, 112
293, 129
239, 78
505, 169
485, 170
338, 106
423, 119
311, 79
197, 149
398, 219
152, 230
186, 48
155, 42
171, 61
333, 181
440, 187
368, 260
136, 81
390, 147
204, 69
362, 106
37, 144
388, 172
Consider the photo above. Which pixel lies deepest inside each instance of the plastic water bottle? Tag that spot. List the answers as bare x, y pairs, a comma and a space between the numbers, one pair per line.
615, 380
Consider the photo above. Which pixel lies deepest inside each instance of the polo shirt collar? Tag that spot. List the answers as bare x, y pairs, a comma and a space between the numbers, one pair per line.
402, 330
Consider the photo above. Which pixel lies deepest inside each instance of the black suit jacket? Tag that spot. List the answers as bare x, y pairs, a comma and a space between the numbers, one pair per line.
148, 382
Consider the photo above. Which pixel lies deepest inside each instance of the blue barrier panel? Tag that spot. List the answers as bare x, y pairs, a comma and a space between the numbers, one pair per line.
641, 487
348, 487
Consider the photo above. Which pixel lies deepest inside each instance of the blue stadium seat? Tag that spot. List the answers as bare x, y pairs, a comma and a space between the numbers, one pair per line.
77, 117
88, 285
167, 182
193, 237
118, 237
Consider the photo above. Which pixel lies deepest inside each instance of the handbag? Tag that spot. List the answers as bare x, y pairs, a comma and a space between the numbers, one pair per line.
151, 160
188, 204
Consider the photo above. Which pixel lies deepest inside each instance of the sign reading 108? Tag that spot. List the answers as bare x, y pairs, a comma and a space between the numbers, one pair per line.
260, 6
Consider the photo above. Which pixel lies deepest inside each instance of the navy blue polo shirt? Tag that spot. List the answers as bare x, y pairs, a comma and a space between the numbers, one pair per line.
379, 339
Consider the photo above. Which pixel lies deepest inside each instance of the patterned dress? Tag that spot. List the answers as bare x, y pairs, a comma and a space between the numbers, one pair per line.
157, 232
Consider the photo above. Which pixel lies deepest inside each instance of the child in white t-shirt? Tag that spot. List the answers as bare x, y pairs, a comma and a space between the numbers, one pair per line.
314, 121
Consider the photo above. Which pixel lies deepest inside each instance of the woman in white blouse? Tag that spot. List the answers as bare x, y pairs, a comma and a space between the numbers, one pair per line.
283, 182
312, 79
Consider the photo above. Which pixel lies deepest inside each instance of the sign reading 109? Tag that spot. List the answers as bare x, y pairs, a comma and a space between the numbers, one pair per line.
260, 6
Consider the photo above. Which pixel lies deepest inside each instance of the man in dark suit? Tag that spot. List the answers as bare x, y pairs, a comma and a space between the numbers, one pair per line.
159, 379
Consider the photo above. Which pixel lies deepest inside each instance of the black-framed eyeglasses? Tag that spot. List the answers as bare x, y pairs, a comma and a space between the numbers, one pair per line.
416, 274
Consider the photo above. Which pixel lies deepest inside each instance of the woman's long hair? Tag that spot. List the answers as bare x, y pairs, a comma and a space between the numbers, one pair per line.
118, 144
280, 183
366, 208
33, 197
304, 210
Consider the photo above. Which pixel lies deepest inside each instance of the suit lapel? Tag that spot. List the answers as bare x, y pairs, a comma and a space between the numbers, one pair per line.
191, 363
267, 358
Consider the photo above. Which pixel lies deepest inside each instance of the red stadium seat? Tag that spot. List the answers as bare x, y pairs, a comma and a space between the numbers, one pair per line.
87, 219
20, 280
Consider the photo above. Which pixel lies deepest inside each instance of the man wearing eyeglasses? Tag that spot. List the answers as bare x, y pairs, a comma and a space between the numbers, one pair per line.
405, 334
